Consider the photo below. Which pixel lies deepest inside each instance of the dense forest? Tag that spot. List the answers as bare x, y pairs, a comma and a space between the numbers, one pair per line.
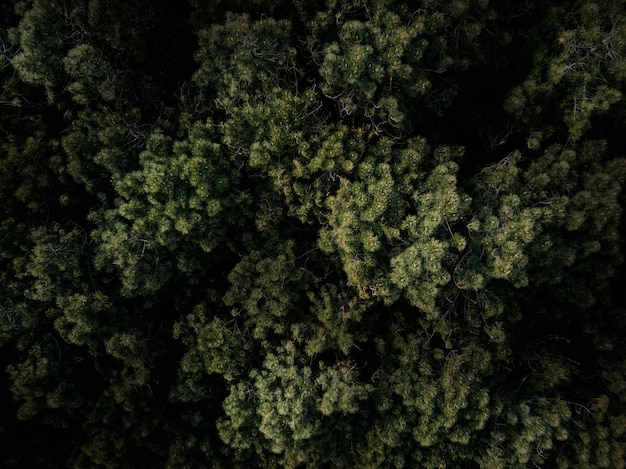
308, 234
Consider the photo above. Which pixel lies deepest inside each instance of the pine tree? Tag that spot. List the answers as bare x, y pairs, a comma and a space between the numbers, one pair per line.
300, 234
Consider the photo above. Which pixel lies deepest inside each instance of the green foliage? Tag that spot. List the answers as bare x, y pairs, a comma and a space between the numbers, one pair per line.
41, 42
369, 57
120, 26
350, 234
242, 58
580, 61
92, 78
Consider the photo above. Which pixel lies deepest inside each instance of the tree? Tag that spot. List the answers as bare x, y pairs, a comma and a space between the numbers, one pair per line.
299, 234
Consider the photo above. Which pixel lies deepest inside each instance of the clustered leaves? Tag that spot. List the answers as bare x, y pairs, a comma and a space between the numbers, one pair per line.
299, 234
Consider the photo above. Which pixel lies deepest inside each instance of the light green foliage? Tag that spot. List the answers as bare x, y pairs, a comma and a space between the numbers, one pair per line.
581, 61
215, 347
180, 190
40, 372
504, 226
432, 410
260, 411
540, 208
22, 172
423, 267
102, 145
54, 262
373, 218
93, 78
41, 41
531, 429
265, 290
368, 58
243, 58
141, 268
359, 213
283, 388
334, 323
304, 234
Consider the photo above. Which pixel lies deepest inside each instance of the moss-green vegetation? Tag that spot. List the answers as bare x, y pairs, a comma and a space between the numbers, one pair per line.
285, 233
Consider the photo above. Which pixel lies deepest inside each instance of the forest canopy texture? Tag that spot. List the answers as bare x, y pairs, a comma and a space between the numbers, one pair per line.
307, 234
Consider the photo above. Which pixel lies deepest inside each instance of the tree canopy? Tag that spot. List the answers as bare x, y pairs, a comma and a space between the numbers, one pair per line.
283, 233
